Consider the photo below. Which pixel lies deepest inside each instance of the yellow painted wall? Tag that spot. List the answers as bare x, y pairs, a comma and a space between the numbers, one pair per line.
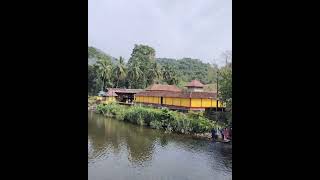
185, 102
168, 101
206, 103
195, 102
156, 100
176, 101
214, 103
109, 100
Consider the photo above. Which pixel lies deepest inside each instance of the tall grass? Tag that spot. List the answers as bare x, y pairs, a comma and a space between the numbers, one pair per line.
168, 120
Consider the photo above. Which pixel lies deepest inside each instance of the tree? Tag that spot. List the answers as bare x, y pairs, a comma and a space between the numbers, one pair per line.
190, 69
94, 54
225, 85
134, 74
104, 71
154, 74
170, 75
227, 56
139, 65
93, 86
120, 70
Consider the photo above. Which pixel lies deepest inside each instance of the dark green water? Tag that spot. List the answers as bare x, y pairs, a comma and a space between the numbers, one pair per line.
119, 150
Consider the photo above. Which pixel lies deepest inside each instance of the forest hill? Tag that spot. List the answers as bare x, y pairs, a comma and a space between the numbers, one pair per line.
143, 70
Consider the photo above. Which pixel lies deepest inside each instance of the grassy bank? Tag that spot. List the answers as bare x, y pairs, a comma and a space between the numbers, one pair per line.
185, 123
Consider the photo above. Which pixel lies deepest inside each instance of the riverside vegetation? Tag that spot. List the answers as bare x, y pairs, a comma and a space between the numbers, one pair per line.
170, 121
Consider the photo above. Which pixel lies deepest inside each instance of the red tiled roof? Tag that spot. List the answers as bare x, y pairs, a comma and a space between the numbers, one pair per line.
113, 91
194, 83
129, 91
178, 94
163, 87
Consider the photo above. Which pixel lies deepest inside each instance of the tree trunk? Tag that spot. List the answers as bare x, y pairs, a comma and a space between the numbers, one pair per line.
102, 89
117, 81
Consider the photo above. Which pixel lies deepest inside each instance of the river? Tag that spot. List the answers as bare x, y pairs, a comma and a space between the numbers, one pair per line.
118, 150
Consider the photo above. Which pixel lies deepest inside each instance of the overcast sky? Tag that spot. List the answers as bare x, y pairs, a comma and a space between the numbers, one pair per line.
174, 28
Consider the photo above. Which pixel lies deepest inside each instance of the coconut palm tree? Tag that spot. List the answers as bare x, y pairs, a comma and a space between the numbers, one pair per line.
120, 70
135, 73
104, 71
155, 73
170, 75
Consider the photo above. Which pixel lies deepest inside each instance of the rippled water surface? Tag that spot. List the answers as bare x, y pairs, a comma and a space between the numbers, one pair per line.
119, 150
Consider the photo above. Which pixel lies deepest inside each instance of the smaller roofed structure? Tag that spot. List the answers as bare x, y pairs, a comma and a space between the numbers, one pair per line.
195, 83
112, 91
195, 86
122, 94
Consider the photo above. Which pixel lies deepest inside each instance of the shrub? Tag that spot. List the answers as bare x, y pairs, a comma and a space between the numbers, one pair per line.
159, 119
156, 124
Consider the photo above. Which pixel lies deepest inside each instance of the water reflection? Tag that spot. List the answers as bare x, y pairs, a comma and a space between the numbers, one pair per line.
103, 132
117, 150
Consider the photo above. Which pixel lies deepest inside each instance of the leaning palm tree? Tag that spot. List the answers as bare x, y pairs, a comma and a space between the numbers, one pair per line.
154, 73
120, 70
104, 71
134, 73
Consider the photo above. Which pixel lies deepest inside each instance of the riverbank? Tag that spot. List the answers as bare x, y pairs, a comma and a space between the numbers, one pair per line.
193, 124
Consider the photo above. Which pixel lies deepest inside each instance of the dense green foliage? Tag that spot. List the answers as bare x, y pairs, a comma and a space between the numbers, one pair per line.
120, 72
95, 54
225, 85
93, 83
159, 119
143, 69
188, 69
170, 74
